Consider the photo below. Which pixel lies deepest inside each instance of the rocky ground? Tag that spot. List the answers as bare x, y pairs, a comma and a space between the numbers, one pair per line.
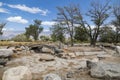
78, 63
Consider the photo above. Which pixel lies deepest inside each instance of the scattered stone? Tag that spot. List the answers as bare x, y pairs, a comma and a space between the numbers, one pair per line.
52, 76
45, 57
3, 62
17, 73
72, 55
69, 75
79, 53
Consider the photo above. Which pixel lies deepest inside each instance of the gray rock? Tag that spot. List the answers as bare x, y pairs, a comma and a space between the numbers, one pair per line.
6, 52
17, 73
69, 75
52, 76
3, 61
102, 70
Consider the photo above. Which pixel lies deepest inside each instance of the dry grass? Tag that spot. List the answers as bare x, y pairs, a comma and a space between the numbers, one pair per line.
10, 43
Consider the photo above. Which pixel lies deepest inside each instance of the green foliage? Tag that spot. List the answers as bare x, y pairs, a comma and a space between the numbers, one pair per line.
34, 30
107, 35
116, 22
2, 25
44, 38
20, 38
58, 33
80, 34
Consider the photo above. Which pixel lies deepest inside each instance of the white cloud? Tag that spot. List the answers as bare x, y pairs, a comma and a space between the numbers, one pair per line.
1, 3
46, 30
28, 9
2, 10
17, 19
48, 23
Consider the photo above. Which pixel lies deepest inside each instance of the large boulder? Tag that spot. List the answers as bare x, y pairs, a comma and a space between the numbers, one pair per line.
6, 52
105, 70
52, 76
17, 73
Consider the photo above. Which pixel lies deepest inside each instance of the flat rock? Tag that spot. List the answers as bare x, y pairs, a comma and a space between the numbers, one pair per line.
45, 57
94, 53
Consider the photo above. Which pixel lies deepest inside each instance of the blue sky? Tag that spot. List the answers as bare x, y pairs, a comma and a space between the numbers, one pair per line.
20, 13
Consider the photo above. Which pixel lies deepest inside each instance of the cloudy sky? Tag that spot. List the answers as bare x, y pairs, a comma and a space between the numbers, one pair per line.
20, 13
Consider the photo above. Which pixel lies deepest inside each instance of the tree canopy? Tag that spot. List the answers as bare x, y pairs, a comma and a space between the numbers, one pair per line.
34, 30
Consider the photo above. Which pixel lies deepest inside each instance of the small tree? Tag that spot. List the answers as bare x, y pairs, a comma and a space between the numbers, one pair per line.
2, 25
58, 33
34, 30
107, 34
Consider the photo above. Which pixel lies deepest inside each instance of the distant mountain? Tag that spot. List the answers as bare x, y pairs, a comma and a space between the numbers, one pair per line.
11, 34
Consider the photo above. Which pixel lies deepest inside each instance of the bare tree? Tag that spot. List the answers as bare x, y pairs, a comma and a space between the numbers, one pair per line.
67, 17
116, 22
98, 14
2, 25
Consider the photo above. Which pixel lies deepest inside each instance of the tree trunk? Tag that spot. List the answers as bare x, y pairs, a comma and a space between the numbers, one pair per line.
93, 42
116, 38
72, 42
